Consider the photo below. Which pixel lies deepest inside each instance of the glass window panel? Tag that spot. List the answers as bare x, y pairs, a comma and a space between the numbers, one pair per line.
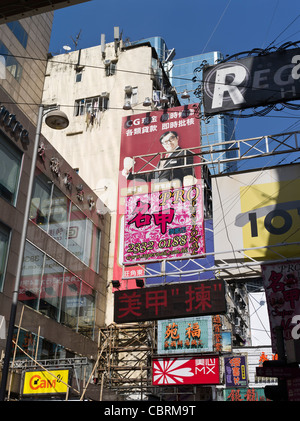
50, 297
92, 246
19, 32
10, 164
12, 65
76, 234
86, 311
70, 300
40, 202
59, 215
4, 245
29, 290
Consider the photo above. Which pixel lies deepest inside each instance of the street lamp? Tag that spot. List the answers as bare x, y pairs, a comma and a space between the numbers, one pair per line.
58, 120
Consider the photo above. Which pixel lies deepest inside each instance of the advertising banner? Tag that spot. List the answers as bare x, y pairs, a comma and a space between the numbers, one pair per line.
282, 288
257, 211
187, 335
44, 382
159, 153
183, 371
252, 81
236, 371
165, 224
170, 301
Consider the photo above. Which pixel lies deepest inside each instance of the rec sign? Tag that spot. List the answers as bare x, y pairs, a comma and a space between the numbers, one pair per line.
252, 82
169, 301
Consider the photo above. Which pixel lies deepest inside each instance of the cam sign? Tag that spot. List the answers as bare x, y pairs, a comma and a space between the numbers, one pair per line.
252, 82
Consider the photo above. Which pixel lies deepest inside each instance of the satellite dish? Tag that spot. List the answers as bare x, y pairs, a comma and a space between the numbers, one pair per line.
66, 48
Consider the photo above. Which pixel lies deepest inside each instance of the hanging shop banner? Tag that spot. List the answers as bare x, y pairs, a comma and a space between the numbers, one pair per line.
252, 81
179, 371
236, 371
187, 335
257, 212
44, 382
282, 288
159, 151
254, 394
166, 224
169, 301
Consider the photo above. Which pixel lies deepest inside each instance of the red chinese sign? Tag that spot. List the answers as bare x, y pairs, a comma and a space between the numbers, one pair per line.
282, 287
179, 371
169, 301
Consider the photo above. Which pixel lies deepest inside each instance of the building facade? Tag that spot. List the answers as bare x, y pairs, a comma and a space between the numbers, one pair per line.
99, 86
62, 294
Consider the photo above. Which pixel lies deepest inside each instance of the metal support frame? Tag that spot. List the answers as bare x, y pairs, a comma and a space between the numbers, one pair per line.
215, 154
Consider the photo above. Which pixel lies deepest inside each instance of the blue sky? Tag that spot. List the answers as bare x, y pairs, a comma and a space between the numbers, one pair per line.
199, 26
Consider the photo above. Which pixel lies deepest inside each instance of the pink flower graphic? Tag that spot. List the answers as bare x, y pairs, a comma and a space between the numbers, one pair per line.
170, 371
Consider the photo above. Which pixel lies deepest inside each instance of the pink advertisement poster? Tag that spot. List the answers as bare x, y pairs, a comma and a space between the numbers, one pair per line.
164, 225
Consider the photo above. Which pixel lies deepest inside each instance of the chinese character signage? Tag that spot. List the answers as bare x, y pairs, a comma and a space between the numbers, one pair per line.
251, 82
167, 301
235, 371
187, 335
166, 224
254, 394
282, 288
179, 371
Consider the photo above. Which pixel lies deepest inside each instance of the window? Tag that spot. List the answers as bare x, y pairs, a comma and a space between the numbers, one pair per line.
92, 105
19, 32
70, 300
51, 286
12, 65
131, 95
64, 221
32, 269
78, 77
51, 289
110, 68
10, 165
4, 246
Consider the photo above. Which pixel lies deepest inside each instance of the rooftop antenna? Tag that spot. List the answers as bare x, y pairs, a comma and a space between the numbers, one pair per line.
77, 38
66, 48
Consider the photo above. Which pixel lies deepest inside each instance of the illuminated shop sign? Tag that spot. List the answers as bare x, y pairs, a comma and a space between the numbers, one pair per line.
252, 81
187, 335
170, 301
183, 371
44, 382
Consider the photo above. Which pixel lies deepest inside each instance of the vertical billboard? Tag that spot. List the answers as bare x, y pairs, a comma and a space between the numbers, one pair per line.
183, 371
236, 371
160, 205
282, 288
257, 212
186, 335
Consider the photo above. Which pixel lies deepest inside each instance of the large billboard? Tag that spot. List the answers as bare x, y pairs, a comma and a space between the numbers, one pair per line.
183, 371
252, 81
255, 214
159, 153
282, 287
170, 300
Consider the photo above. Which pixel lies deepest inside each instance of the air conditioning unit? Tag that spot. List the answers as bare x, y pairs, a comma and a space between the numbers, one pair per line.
128, 89
105, 95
